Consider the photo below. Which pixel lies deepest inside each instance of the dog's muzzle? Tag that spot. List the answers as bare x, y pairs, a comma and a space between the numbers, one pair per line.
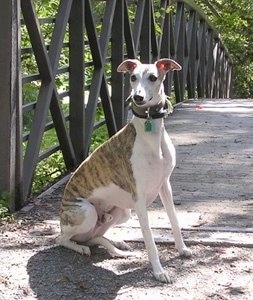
138, 99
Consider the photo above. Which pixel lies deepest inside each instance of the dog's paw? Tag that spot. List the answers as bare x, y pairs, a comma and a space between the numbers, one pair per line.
120, 254
121, 245
185, 252
163, 277
64, 242
84, 250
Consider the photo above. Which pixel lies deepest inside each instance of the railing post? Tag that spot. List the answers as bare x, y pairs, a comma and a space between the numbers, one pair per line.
180, 51
202, 59
228, 79
11, 103
222, 74
191, 35
210, 62
216, 71
117, 57
145, 38
166, 46
76, 78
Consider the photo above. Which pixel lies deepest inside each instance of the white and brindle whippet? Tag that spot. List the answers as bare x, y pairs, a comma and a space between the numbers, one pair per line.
126, 172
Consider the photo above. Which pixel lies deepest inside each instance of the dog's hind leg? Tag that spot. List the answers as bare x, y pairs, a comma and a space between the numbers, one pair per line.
64, 241
115, 216
120, 216
78, 219
108, 245
80, 223
167, 200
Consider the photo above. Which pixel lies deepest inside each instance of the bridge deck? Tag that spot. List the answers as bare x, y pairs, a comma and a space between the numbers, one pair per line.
215, 159
212, 182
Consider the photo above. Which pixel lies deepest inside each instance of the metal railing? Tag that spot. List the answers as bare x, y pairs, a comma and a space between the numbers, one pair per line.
86, 51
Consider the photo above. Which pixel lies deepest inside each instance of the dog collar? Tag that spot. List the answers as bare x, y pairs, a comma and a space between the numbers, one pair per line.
157, 115
154, 112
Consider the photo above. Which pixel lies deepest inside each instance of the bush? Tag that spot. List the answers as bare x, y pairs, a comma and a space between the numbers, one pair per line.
4, 210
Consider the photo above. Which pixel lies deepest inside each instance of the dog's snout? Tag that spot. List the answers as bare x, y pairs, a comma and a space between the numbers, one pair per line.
138, 98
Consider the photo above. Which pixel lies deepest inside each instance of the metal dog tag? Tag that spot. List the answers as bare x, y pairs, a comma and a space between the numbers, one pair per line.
149, 125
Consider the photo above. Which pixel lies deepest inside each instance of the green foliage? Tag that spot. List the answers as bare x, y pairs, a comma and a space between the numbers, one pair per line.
4, 204
233, 20
51, 168
46, 8
100, 135
30, 93
48, 170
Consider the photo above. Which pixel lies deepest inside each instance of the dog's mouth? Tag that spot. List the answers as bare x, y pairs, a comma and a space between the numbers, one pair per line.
139, 100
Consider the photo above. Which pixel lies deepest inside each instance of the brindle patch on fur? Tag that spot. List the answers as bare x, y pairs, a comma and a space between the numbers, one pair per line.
110, 163
67, 219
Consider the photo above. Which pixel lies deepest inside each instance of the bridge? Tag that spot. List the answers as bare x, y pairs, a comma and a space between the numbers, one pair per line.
68, 86
59, 75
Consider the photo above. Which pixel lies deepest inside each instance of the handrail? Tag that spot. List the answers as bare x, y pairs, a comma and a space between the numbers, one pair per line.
201, 14
193, 6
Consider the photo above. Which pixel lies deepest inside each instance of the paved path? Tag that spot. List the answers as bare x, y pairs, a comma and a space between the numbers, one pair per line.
213, 179
213, 189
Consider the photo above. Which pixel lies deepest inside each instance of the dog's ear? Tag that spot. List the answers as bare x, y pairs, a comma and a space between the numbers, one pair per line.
166, 64
128, 65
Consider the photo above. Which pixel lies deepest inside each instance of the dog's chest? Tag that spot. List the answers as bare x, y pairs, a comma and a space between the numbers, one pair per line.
151, 162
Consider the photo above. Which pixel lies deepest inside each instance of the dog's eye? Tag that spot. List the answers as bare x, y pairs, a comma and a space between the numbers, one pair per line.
133, 78
152, 78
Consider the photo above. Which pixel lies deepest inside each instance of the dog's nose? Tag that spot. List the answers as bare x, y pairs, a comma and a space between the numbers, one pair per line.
138, 98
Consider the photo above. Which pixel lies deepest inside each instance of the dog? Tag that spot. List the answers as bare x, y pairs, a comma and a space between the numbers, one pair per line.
127, 172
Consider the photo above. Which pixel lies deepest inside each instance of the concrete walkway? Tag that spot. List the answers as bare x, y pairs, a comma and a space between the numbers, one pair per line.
213, 180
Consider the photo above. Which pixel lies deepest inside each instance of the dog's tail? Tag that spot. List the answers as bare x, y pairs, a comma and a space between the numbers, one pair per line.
115, 252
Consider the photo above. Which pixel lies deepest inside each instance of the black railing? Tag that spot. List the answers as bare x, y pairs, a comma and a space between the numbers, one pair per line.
93, 50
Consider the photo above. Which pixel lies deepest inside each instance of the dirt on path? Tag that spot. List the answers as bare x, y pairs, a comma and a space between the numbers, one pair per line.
213, 191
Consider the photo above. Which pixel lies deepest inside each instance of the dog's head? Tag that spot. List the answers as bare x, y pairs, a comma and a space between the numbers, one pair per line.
147, 79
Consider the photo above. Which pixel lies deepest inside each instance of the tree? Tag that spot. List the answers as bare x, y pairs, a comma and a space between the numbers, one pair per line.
234, 21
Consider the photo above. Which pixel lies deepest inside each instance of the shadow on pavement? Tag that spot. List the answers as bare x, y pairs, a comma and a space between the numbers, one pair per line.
58, 273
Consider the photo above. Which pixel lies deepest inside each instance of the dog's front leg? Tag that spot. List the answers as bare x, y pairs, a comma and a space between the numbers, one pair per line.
167, 200
158, 270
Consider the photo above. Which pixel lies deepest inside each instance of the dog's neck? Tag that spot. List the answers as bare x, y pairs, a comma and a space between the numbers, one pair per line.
153, 112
